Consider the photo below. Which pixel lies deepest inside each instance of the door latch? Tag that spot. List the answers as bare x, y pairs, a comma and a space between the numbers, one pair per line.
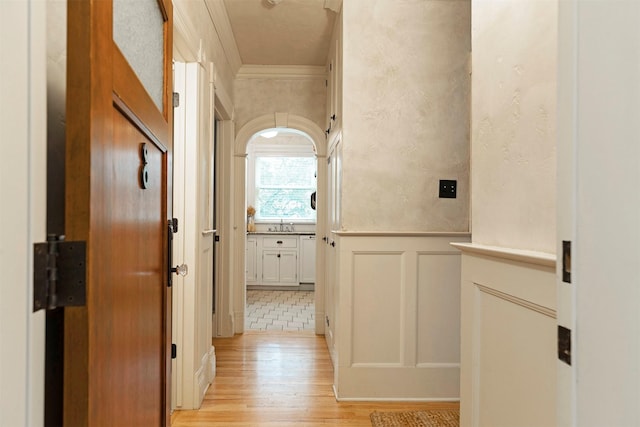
182, 270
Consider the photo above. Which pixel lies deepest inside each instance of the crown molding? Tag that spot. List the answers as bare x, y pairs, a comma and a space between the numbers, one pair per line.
282, 72
220, 20
183, 35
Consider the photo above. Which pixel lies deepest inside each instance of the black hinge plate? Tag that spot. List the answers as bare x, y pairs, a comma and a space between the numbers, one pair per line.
69, 268
174, 351
176, 99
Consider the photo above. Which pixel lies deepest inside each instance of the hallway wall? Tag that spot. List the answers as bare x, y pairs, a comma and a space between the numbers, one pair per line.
513, 125
304, 96
406, 114
508, 295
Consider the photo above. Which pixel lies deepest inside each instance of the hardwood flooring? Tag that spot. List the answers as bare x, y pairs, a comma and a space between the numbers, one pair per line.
280, 379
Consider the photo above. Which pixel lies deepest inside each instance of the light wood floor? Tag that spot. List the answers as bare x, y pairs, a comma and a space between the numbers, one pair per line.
280, 379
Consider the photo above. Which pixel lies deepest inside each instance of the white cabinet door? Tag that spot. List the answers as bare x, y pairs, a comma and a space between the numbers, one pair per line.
288, 267
250, 259
270, 267
307, 259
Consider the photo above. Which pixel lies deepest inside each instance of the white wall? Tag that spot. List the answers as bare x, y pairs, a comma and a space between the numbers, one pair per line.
513, 125
405, 114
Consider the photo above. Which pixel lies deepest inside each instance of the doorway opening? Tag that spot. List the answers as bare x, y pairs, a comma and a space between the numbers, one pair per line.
280, 261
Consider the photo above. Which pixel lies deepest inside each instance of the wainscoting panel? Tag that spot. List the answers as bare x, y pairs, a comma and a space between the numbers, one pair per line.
508, 352
438, 308
377, 307
398, 322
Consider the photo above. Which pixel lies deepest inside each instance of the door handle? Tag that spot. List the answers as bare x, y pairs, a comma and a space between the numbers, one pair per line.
182, 270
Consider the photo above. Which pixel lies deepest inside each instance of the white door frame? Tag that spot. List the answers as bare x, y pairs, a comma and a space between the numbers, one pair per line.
23, 215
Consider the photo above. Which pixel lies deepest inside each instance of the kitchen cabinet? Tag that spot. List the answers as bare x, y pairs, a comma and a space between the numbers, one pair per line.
251, 267
279, 260
280, 267
272, 259
307, 259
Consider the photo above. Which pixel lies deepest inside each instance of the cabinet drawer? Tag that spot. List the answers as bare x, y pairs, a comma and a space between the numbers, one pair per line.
280, 242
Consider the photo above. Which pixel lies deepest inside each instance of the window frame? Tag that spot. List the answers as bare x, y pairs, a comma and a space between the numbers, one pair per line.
262, 149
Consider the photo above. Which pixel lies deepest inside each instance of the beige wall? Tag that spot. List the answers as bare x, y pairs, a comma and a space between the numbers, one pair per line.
406, 114
514, 124
259, 96
202, 29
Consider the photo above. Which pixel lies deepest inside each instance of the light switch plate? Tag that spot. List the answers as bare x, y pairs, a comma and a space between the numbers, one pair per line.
448, 189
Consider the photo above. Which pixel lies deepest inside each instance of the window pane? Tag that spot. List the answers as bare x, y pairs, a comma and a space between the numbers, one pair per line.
138, 30
283, 188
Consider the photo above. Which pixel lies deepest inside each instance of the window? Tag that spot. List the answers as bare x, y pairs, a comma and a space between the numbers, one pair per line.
283, 187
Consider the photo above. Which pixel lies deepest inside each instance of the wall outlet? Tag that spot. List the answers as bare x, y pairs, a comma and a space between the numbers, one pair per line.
448, 188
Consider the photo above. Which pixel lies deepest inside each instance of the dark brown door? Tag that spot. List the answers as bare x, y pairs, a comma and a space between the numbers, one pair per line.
117, 347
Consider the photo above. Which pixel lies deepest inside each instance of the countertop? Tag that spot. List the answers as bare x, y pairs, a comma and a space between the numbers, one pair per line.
281, 233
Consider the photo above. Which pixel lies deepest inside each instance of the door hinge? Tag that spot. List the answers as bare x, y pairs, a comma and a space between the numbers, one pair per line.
176, 99
564, 344
174, 351
59, 274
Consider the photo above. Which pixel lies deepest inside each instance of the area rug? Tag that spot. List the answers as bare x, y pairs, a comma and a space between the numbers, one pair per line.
432, 418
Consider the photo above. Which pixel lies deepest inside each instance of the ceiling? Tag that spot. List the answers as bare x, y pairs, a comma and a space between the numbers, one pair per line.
282, 32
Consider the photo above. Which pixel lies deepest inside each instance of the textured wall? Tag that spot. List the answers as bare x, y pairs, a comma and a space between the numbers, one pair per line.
199, 17
406, 114
257, 97
514, 123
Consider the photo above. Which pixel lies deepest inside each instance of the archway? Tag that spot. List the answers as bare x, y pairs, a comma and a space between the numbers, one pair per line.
244, 135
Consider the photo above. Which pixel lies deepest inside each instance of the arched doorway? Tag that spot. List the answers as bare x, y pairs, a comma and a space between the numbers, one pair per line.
316, 136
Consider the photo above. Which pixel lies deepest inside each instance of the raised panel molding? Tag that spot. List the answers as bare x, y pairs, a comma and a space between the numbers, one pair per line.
387, 346
508, 337
378, 309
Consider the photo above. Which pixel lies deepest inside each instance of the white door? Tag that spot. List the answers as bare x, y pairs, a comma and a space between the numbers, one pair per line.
599, 212
288, 267
193, 243
270, 267
23, 197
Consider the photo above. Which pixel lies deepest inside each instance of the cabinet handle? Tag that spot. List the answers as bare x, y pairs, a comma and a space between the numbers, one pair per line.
279, 242
333, 244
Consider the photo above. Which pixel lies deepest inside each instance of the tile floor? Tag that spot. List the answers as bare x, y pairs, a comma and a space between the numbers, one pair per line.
280, 310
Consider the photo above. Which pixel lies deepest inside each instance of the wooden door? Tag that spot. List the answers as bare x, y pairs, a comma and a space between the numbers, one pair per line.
117, 347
